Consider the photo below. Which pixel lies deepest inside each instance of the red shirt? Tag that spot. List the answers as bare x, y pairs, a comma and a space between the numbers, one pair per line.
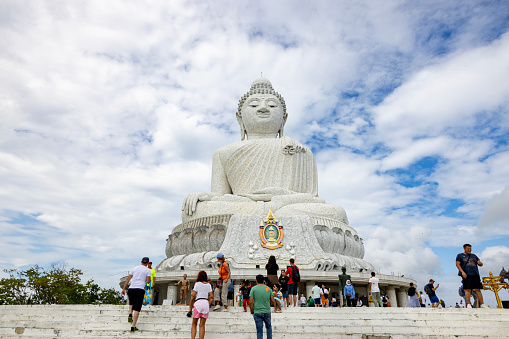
289, 273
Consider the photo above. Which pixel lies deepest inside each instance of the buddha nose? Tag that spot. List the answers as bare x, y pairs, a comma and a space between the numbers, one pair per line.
263, 108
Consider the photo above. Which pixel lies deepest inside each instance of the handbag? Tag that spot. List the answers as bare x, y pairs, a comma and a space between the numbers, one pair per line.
463, 267
220, 280
147, 298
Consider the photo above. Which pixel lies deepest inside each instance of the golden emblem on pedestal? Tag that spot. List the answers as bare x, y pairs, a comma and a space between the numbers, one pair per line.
271, 233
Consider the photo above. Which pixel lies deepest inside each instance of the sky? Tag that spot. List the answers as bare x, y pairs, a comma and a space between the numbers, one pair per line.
110, 113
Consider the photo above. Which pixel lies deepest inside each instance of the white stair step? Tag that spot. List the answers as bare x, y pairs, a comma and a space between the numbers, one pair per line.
107, 321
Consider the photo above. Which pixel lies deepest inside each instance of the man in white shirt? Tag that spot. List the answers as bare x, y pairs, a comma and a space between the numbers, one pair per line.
139, 277
316, 295
375, 290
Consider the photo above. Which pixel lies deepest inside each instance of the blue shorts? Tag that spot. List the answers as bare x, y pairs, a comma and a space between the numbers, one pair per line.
318, 301
285, 294
293, 288
434, 299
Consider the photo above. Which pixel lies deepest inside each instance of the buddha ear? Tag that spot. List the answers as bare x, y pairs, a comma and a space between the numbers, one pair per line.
280, 132
243, 132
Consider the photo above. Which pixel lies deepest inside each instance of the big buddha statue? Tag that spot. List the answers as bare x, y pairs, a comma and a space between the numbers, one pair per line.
265, 172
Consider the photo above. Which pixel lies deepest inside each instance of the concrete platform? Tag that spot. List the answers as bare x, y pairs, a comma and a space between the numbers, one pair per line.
394, 286
109, 321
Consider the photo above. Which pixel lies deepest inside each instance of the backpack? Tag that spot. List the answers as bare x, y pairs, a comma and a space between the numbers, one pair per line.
427, 289
295, 274
461, 291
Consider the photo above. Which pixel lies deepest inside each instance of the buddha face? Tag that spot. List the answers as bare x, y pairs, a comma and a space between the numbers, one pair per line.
262, 114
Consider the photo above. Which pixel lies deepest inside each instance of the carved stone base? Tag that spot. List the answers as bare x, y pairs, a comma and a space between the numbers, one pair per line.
202, 234
318, 245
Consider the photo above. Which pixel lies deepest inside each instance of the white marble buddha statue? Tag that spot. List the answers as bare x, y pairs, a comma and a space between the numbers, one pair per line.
265, 170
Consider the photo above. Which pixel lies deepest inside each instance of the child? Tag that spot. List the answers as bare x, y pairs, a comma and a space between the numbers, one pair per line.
311, 301
278, 299
245, 289
238, 297
302, 300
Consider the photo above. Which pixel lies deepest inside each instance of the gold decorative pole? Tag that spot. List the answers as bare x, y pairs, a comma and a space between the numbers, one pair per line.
494, 284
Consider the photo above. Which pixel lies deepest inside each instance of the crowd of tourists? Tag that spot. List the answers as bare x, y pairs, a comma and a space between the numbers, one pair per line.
281, 291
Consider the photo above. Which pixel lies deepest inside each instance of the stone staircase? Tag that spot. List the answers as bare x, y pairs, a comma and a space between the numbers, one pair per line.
109, 321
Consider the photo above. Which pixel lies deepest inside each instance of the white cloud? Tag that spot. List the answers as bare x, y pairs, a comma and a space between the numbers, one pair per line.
351, 180
495, 218
403, 251
449, 94
494, 258
475, 181
110, 113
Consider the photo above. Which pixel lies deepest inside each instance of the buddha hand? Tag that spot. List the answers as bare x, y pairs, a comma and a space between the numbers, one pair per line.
291, 146
190, 202
266, 194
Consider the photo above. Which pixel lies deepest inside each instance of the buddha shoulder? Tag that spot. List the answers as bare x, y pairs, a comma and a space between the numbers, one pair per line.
284, 145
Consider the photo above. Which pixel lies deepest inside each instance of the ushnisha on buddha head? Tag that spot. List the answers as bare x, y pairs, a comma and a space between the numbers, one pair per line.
261, 112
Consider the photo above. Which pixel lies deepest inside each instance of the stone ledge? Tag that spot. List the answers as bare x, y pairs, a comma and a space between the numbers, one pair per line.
205, 221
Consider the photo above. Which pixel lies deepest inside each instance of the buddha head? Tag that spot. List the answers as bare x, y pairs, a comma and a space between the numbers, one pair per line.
261, 111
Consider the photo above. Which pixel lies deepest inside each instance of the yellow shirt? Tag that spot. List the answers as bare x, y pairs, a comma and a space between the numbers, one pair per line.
152, 276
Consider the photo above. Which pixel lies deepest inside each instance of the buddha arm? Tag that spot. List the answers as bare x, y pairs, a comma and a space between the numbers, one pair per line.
220, 186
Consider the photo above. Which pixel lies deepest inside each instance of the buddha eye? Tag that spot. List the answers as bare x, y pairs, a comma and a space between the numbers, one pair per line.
272, 104
253, 103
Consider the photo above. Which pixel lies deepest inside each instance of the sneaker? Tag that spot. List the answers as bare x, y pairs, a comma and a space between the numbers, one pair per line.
470, 306
224, 310
216, 308
484, 306
130, 318
134, 329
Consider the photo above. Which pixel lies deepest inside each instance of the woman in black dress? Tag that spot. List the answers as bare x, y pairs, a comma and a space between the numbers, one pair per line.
272, 270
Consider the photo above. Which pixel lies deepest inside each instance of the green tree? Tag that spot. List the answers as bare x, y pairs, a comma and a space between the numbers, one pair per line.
14, 290
56, 286
111, 296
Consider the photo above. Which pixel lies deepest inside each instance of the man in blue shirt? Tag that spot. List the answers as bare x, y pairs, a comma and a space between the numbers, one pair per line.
467, 263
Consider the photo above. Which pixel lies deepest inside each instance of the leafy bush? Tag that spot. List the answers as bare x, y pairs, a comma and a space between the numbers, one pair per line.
56, 286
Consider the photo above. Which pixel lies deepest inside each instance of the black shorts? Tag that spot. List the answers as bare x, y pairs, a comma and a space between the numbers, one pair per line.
472, 282
230, 296
293, 289
136, 298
